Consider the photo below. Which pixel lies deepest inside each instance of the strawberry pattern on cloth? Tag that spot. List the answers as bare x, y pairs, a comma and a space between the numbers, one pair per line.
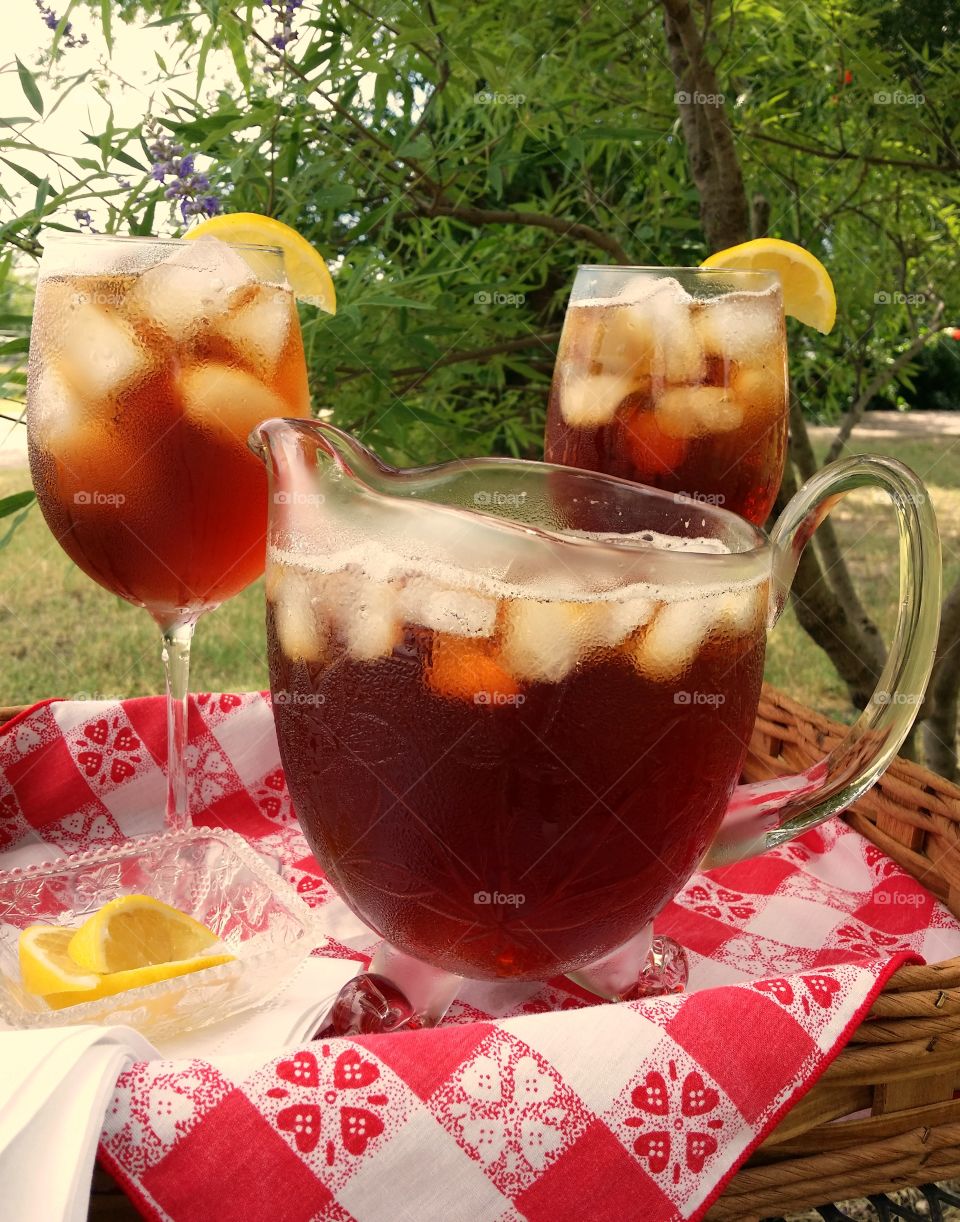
529, 1101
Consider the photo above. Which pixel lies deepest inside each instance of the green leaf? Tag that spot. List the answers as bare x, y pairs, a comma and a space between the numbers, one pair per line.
106, 14
33, 179
24, 510
15, 324
29, 85
234, 37
18, 500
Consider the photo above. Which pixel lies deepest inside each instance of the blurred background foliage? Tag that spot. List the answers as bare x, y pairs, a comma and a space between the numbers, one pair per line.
455, 162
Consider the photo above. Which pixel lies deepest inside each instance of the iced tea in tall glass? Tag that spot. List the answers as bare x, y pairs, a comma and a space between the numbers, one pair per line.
677, 378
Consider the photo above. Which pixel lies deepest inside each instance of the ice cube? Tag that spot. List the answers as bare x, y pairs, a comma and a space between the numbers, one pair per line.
613, 622
228, 400
101, 353
615, 339
761, 389
541, 641
697, 411
673, 640
591, 401
226, 267
57, 417
741, 610
258, 328
459, 613
302, 632
196, 283
741, 326
367, 614
677, 351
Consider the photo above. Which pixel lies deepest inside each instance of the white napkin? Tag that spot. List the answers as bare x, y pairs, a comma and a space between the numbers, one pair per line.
56, 1084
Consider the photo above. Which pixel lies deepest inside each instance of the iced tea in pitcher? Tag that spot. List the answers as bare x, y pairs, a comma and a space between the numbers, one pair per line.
675, 378
506, 779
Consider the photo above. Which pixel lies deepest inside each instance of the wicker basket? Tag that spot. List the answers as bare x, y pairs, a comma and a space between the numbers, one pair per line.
902, 1064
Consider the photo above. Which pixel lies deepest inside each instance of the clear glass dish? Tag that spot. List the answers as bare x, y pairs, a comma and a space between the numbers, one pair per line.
213, 875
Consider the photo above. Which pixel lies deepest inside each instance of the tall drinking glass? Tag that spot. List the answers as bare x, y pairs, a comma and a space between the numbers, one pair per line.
150, 362
676, 378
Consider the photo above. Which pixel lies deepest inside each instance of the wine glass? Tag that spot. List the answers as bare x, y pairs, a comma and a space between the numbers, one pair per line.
150, 362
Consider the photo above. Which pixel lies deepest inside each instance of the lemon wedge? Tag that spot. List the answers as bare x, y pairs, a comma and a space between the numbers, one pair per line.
46, 966
306, 268
137, 931
120, 982
808, 293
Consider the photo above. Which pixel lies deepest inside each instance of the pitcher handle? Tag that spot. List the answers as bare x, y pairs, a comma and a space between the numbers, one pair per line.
763, 814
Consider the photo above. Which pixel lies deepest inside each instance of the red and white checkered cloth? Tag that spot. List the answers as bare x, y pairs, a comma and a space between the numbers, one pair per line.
529, 1102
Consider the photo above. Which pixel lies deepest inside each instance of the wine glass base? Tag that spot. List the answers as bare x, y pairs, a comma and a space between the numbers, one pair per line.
648, 965
398, 993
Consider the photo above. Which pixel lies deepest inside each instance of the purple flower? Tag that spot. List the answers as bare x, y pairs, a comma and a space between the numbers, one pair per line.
51, 21
84, 219
283, 11
186, 185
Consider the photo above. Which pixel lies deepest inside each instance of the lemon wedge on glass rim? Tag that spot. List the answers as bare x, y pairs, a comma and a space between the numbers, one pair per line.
306, 268
808, 293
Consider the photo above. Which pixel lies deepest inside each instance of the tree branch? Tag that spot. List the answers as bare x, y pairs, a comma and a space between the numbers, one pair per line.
830, 154
540, 220
714, 166
456, 358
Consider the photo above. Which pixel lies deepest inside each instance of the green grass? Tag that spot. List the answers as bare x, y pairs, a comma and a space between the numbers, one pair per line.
62, 635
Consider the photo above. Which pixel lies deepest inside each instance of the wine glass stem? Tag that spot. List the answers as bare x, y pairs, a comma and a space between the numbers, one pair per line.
176, 665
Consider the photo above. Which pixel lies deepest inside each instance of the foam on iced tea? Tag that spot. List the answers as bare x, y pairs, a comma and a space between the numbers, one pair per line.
684, 394
449, 738
143, 388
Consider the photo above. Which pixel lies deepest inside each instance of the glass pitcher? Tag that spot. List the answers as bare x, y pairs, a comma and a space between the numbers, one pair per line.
513, 702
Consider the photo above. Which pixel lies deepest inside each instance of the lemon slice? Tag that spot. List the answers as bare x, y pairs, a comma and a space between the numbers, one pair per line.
807, 288
46, 966
119, 982
137, 931
306, 268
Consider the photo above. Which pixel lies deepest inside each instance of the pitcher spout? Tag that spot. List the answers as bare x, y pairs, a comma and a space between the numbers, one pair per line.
288, 444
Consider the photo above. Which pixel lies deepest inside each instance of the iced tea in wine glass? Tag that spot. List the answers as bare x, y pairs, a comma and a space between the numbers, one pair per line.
150, 362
